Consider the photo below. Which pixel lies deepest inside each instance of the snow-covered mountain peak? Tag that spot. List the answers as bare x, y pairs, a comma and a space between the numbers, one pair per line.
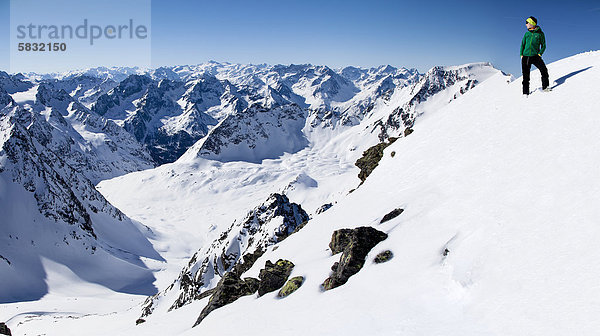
48, 96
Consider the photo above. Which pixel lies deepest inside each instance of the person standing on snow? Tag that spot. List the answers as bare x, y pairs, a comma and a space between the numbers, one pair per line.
532, 48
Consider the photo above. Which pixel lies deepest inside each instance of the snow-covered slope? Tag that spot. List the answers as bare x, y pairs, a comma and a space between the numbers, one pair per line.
497, 236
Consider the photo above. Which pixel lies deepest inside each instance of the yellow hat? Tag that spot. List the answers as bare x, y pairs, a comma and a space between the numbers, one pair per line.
531, 21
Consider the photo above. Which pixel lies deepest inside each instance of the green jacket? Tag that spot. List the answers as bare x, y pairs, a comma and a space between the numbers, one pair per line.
534, 42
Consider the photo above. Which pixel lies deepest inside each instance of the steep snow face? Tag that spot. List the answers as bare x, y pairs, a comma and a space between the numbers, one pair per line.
254, 134
51, 211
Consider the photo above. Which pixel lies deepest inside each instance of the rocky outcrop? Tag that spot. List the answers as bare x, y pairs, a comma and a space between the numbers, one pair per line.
384, 256
391, 215
323, 208
230, 288
235, 251
60, 191
291, 286
5, 99
160, 123
4, 330
111, 103
370, 159
354, 244
274, 276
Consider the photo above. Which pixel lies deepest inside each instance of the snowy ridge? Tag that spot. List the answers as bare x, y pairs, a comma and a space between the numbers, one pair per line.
452, 81
116, 74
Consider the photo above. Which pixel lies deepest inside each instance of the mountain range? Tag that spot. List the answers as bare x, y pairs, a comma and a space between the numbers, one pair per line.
172, 196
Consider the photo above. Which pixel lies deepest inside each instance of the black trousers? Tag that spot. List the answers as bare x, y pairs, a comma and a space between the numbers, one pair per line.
526, 63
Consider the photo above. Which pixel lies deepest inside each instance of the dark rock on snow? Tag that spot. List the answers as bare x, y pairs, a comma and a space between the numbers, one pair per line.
291, 286
252, 284
383, 257
355, 245
230, 288
340, 239
324, 208
370, 159
240, 246
391, 215
274, 276
4, 330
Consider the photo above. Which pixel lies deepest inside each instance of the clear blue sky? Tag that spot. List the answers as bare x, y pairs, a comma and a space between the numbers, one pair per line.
336, 33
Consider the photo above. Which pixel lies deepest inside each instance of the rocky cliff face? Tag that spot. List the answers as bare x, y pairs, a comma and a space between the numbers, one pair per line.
255, 133
160, 123
62, 192
85, 89
93, 145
